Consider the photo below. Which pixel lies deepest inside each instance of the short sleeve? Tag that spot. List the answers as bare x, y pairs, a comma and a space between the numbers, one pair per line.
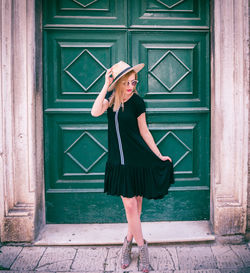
108, 95
140, 106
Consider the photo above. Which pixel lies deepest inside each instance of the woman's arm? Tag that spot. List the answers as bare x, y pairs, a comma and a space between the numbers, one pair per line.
100, 105
148, 138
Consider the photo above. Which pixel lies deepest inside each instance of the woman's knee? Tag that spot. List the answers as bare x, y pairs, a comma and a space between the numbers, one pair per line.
130, 204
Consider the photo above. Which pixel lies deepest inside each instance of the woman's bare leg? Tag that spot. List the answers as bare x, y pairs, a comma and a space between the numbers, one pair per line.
139, 209
139, 205
133, 218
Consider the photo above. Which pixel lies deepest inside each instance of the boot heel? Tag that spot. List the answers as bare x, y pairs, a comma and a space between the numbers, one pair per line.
126, 253
144, 257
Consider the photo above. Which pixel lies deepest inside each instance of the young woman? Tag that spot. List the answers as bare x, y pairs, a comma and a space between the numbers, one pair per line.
135, 167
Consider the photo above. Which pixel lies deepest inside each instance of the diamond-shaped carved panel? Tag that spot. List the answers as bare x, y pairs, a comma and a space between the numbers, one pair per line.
170, 3
170, 13
176, 73
84, 3
86, 151
175, 147
169, 70
77, 63
85, 69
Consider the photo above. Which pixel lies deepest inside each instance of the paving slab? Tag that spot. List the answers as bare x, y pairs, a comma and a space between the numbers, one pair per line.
180, 258
149, 271
235, 270
198, 271
25, 271
226, 258
8, 255
57, 259
243, 252
90, 259
28, 259
196, 258
168, 271
111, 262
83, 271
163, 259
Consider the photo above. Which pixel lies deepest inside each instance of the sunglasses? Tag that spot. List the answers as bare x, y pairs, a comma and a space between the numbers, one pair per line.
133, 82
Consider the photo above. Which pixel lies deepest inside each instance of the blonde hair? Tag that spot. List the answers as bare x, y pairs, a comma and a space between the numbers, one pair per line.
116, 97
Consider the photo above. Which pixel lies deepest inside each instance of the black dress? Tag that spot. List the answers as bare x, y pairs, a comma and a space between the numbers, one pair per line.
132, 168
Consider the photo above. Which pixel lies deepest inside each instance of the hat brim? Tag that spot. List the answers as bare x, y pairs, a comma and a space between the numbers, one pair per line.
136, 68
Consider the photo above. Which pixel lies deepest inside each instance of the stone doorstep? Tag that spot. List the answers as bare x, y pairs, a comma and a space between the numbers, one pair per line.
110, 234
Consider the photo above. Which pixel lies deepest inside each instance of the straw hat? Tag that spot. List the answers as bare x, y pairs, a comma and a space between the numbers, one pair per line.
120, 69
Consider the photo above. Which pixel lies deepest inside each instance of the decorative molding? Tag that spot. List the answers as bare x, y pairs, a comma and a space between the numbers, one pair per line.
170, 6
21, 210
85, 72
178, 61
7, 148
78, 161
85, 5
186, 151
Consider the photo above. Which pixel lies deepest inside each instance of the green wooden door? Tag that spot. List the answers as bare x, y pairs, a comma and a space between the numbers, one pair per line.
81, 40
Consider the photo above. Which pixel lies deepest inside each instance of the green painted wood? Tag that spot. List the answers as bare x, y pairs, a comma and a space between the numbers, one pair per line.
86, 209
157, 14
177, 72
178, 135
75, 62
140, 13
174, 84
91, 13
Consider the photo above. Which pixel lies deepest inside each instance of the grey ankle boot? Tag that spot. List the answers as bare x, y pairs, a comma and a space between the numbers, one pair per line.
144, 257
126, 253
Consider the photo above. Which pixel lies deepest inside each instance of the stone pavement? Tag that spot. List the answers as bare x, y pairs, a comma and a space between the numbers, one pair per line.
182, 258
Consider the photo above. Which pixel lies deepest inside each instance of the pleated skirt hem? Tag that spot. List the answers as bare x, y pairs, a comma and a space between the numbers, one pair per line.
128, 181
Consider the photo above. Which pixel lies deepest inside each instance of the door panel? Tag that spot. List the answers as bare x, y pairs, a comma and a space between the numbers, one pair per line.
78, 152
91, 13
76, 62
177, 71
175, 87
81, 40
185, 137
166, 13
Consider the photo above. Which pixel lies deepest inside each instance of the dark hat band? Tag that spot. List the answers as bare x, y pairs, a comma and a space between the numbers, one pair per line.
123, 71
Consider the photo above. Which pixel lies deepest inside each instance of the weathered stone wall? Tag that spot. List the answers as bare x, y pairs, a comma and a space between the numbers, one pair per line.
248, 189
229, 117
21, 148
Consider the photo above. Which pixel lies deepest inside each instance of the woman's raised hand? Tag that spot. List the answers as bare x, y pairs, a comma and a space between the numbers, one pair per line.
108, 79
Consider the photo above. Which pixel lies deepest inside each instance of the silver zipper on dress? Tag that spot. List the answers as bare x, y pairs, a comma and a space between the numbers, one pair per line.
119, 137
